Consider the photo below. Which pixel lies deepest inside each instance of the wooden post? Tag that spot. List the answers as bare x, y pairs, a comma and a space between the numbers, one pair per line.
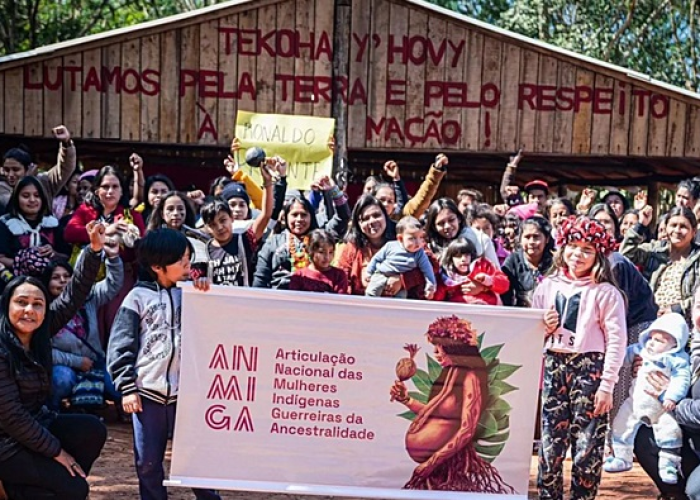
341, 69
653, 199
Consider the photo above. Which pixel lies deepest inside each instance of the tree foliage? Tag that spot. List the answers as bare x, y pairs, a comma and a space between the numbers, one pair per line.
656, 37
29, 24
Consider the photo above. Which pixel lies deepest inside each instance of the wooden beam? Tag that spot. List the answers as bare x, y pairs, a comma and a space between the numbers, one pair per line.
341, 69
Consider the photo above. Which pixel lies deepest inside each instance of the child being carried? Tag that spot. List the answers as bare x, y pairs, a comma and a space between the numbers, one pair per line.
465, 277
662, 349
398, 257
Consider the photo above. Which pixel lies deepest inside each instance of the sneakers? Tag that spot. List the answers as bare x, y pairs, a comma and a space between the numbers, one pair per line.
668, 469
616, 464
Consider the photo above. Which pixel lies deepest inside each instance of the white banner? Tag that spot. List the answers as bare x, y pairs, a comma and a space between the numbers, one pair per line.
290, 392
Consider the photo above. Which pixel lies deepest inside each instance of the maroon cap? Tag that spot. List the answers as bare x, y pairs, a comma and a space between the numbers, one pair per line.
537, 184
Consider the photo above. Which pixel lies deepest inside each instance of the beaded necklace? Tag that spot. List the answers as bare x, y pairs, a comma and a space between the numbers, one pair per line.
297, 252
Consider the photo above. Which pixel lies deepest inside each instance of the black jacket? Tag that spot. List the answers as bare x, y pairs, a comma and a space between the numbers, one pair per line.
274, 267
523, 279
24, 383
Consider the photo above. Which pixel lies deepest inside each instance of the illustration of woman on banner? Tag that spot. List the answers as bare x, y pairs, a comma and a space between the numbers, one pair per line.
441, 436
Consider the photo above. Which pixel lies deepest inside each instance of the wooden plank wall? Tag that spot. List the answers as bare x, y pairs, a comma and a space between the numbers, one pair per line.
546, 103
180, 86
416, 80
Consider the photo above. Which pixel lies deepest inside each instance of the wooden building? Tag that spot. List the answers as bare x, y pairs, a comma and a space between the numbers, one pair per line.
403, 78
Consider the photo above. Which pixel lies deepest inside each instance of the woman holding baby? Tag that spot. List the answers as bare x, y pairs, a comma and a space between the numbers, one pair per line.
108, 202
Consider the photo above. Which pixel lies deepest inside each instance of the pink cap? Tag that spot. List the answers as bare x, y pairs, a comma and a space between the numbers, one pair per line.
524, 211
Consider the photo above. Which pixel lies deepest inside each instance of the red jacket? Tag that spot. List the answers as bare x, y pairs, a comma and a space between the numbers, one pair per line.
76, 234
452, 291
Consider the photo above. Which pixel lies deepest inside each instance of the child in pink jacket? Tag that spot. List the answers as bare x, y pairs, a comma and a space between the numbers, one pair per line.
585, 342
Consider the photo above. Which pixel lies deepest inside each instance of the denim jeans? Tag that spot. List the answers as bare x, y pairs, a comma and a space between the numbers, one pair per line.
153, 426
64, 378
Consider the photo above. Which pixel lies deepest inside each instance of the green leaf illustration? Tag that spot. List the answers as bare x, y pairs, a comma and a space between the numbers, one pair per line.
493, 430
479, 340
501, 405
434, 369
422, 381
501, 387
497, 437
503, 422
418, 396
490, 353
493, 399
488, 425
408, 415
503, 371
493, 370
489, 450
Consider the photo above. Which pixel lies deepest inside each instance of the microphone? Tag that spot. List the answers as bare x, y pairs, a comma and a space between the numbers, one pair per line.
255, 156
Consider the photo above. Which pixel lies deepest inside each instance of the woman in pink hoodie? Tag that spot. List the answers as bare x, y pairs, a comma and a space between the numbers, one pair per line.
585, 343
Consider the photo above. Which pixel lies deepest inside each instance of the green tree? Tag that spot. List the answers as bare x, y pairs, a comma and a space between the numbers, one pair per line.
655, 37
29, 24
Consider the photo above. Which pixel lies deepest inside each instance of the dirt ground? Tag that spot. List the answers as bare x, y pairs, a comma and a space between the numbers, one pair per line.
114, 478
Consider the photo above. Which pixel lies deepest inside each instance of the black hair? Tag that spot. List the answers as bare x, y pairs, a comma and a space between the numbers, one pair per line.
20, 154
615, 192
435, 240
51, 267
211, 209
148, 208
408, 222
354, 234
374, 178
604, 207
219, 182
307, 207
40, 344
485, 212
156, 220
318, 238
161, 247
469, 214
457, 247
94, 200
684, 212
13, 205
662, 220
692, 186
514, 220
561, 201
382, 185
64, 189
475, 194
630, 211
544, 227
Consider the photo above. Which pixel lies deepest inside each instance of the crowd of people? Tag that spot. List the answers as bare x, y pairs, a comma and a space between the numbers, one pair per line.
90, 312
